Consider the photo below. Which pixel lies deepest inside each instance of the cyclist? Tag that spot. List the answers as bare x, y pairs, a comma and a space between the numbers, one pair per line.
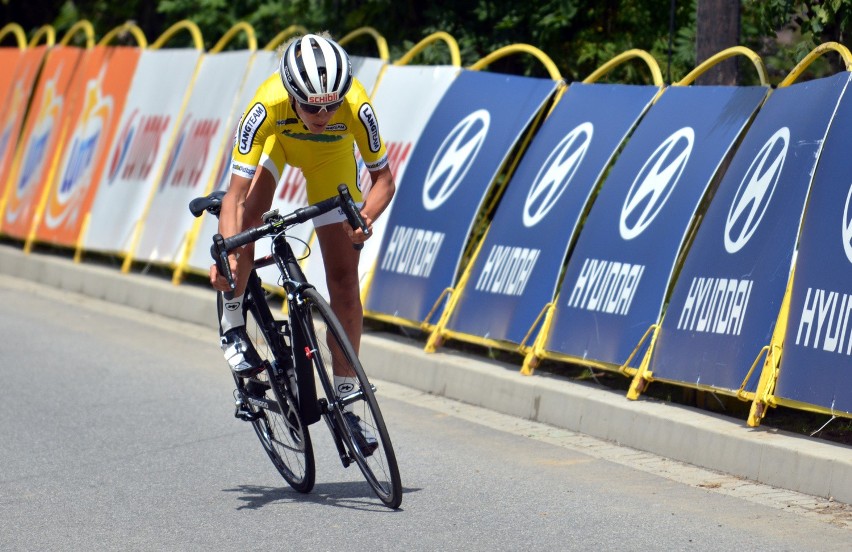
310, 114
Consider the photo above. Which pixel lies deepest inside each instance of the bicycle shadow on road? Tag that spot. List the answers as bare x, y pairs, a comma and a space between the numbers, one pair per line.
355, 495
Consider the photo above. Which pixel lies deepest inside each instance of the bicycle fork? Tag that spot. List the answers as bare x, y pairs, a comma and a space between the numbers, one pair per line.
328, 414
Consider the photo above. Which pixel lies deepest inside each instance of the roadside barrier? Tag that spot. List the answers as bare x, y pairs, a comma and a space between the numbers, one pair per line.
652, 231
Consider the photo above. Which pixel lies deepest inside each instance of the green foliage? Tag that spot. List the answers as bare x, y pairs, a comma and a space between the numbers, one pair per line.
783, 32
578, 35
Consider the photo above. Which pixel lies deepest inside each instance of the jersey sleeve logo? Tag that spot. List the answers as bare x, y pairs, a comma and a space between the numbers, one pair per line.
368, 119
249, 125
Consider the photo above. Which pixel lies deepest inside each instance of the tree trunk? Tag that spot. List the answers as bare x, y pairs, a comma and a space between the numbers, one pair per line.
717, 28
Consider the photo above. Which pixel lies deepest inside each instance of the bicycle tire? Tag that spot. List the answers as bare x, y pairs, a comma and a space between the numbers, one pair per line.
283, 435
380, 467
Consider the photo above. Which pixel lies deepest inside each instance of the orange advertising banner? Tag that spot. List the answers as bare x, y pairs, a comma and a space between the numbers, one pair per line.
14, 107
39, 140
9, 60
106, 74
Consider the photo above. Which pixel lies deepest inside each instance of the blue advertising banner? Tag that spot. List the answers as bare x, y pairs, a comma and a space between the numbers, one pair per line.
458, 156
518, 268
619, 272
727, 297
816, 364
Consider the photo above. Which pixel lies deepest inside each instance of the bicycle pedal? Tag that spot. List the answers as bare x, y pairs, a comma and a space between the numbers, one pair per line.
246, 415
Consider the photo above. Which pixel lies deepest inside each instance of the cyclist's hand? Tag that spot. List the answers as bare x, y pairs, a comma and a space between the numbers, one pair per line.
218, 280
357, 235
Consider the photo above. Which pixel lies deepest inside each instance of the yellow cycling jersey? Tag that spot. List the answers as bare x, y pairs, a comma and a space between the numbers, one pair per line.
271, 135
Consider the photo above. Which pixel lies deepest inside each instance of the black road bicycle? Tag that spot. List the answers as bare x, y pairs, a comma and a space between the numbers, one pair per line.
300, 352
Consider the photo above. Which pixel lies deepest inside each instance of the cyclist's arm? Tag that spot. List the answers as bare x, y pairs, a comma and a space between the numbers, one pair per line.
230, 223
247, 195
381, 193
233, 205
378, 198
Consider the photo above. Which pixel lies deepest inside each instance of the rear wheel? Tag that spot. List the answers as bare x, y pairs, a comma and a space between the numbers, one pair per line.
332, 350
279, 425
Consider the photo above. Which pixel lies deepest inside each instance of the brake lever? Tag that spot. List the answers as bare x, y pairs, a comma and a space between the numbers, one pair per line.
353, 215
220, 255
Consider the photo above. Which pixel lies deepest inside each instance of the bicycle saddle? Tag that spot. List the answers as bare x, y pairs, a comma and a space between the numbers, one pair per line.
210, 203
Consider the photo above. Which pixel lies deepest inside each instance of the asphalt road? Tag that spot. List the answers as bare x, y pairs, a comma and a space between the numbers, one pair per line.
117, 433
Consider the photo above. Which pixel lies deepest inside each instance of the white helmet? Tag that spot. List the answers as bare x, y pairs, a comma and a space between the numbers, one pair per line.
315, 70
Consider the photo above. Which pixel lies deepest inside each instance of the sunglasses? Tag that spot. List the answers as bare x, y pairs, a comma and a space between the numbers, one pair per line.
313, 109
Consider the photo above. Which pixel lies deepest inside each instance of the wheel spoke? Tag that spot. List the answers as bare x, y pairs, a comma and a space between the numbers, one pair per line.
334, 354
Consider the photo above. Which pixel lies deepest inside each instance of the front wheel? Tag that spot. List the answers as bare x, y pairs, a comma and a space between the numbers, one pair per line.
366, 436
280, 426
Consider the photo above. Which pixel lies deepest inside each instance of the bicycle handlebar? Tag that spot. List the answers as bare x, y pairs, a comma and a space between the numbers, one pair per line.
223, 246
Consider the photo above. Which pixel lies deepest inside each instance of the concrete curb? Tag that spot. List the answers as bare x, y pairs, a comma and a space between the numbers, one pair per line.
793, 462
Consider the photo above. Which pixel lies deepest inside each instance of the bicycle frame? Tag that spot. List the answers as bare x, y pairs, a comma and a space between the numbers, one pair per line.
294, 282
303, 353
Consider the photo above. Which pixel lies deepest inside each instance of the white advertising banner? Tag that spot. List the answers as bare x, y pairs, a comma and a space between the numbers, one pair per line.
160, 86
367, 70
202, 136
265, 63
404, 101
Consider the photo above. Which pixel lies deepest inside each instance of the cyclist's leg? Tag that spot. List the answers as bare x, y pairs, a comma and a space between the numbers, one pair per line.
341, 270
340, 259
253, 199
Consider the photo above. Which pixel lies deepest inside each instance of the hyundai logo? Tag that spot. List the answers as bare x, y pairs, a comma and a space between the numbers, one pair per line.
655, 183
556, 173
755, 191
846, 231
454, 158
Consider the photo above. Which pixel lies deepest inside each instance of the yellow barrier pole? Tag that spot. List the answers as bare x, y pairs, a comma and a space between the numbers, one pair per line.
283, 36
764, 393
86, 29
198, 43
722, 56
185, 25
241, 27
537, 352
127, 28
192, 235
45, 32
820, 50
624, 57
381, 43
81, 27
16, 31
643, 375
545, 60
440, 36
